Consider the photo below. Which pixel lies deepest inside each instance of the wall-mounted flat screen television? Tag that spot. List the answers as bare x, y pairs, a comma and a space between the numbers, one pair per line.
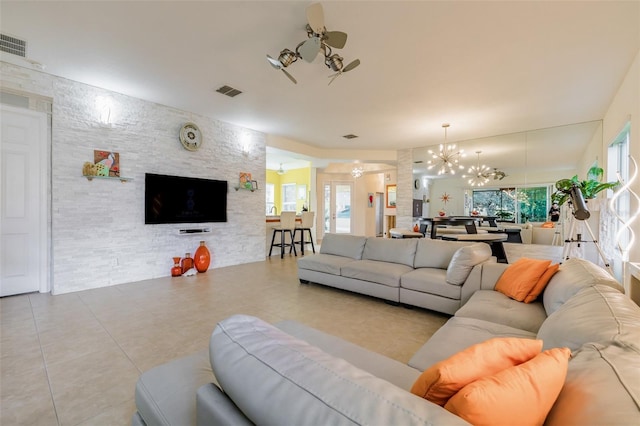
176, 199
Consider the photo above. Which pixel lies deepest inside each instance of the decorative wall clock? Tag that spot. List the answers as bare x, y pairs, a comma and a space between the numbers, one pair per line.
190, 136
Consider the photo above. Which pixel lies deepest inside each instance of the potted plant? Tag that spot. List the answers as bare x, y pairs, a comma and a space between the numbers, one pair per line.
589, 187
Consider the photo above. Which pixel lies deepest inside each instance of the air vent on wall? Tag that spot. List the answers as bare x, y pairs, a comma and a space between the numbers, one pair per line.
229, 91
350, 136
13, 45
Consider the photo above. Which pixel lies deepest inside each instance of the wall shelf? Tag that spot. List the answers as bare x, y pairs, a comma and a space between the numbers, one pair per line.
121, 179
245, 189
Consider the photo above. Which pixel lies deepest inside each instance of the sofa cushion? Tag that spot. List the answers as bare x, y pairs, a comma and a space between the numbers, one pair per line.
376, 272
519, 395
327, 263
275, 378
457, 334
463, 261
493, 306
393, 250
519, 279
343, 245
430, 280
595, 314
602, 388
574, 275
442, 380
435, 253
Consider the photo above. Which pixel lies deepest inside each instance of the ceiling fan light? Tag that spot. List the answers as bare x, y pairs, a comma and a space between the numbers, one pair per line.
334, 62
280, 171
287, 57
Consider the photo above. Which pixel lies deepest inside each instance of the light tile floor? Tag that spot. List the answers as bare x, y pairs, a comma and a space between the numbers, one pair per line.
74, 359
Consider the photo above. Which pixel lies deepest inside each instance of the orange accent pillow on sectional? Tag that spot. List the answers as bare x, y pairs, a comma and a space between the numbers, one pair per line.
520, 277
542, 283
519, 395
443, 379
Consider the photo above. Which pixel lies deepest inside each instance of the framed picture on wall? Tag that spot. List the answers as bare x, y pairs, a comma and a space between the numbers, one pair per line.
390, 191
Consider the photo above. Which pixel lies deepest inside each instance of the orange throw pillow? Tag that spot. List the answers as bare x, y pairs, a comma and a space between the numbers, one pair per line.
443, 379
547, 225
519, 395
520, 278
542, 283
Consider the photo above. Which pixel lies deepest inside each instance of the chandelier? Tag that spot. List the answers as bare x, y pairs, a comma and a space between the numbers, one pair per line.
478, 174
357, 172
447, 159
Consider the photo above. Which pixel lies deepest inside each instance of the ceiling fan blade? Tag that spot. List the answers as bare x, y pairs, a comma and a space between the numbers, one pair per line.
333, 77
274, 62
310, 48
290, 76
336, 39
351, 65
315, 17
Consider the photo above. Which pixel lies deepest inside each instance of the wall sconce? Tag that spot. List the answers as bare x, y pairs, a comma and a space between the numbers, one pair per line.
245, 142
104, 108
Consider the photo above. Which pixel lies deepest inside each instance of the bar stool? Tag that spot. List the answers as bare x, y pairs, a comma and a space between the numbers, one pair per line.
306, 225
287, 226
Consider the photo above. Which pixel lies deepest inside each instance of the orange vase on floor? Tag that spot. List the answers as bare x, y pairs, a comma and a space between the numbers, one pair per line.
176, 271
202, 258
187, 262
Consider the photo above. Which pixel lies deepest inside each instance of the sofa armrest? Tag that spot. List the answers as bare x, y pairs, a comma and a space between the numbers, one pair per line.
213, 407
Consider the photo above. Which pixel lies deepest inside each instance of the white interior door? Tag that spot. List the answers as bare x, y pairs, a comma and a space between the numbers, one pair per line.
23, 202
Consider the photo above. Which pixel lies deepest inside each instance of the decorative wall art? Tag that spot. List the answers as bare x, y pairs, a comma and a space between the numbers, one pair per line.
107, 163
370, 199
245, 181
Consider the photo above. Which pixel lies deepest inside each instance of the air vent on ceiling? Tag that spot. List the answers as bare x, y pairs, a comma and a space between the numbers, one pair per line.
13, 45
229, 91
350, 136
418, 162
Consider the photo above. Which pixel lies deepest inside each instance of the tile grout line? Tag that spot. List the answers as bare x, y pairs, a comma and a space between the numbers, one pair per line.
109, 333
44, 362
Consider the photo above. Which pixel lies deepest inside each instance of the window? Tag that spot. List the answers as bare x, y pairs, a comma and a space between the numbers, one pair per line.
289, 197
618, 169
270, 199
516, 204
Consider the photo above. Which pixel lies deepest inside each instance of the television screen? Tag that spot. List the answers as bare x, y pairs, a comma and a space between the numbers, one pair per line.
175, 199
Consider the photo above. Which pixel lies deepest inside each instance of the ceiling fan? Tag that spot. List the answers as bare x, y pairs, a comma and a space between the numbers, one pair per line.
318, 40
497, 174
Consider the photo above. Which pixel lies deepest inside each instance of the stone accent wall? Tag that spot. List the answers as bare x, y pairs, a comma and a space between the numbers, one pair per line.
97, 227
404, 207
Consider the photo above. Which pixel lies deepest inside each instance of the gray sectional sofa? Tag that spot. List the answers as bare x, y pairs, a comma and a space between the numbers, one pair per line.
257, 373
433, 274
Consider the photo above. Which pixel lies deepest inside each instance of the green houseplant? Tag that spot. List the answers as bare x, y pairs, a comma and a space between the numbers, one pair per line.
590, 187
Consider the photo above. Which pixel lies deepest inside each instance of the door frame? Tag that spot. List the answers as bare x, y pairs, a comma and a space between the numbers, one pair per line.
43, 200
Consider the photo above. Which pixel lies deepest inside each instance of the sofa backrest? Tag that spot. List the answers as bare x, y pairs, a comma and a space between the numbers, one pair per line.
435, 253
275, 378
574, 275
394, 250
595, 314
602, 387
343, 245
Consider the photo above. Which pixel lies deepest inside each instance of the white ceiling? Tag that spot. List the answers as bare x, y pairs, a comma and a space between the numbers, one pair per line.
485, 67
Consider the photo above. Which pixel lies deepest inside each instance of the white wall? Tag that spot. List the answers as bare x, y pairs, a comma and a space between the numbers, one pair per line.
98, 233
